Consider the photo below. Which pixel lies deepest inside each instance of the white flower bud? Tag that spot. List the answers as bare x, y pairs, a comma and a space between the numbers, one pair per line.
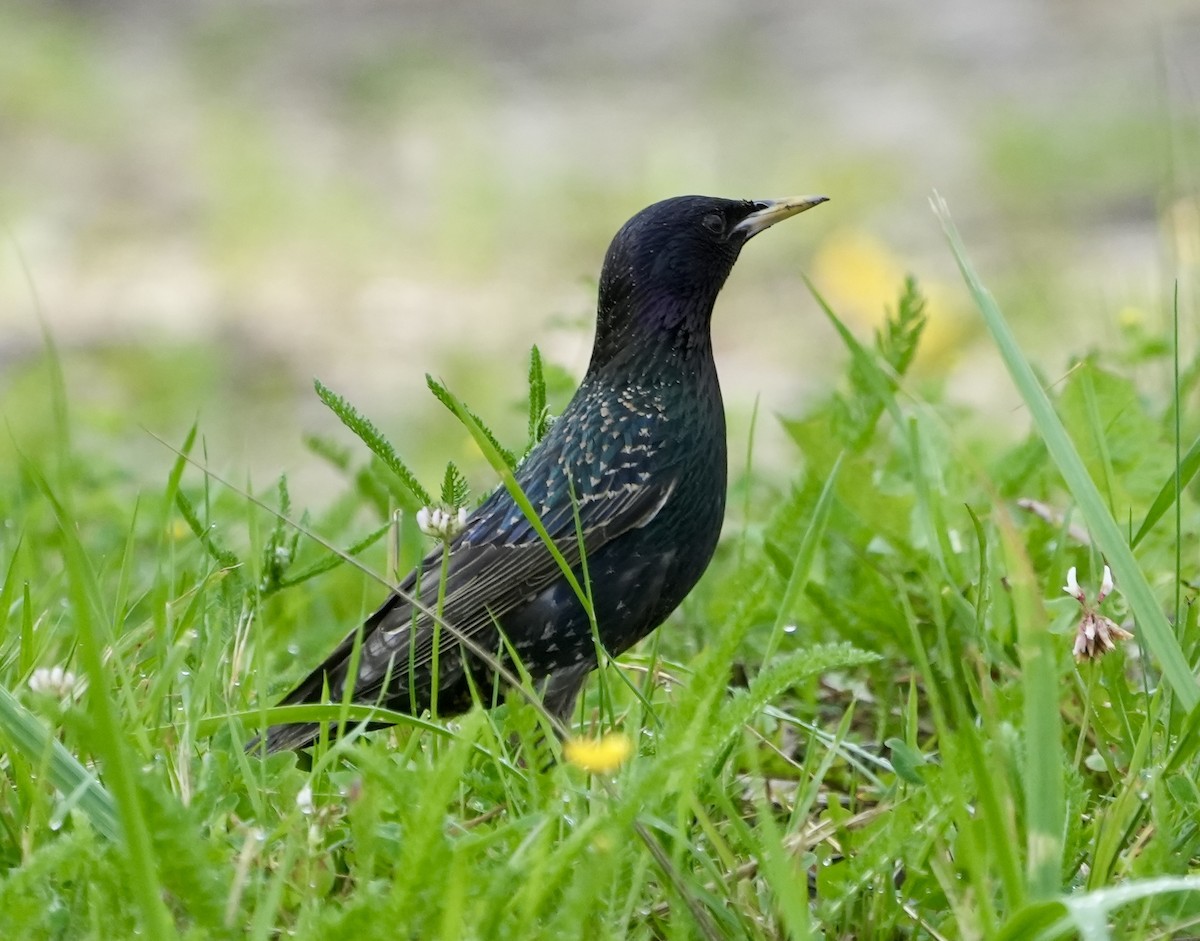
53, 681
441, 523
304, 800
1072, 586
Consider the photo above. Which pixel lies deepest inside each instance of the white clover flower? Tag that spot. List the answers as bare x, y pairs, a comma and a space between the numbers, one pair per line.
1096, 634
53, 681
441, 523
304, 800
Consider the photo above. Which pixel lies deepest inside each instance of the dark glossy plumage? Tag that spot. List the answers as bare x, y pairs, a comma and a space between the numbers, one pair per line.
640, 448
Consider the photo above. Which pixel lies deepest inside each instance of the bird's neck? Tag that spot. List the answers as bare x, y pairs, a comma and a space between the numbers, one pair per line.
662, 335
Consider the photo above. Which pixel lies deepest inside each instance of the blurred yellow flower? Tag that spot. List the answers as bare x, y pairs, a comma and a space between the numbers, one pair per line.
861, 278
598, 755
1130, 317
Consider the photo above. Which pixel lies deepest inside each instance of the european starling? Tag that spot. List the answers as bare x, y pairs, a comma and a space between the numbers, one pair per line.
639, 455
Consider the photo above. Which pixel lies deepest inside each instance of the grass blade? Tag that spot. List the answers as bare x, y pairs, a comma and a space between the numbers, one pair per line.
32, 739
1043, 757
805, 554
1166, 496
476, 426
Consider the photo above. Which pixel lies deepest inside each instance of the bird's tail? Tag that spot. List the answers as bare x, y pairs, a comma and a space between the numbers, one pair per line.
285, 737
313, 688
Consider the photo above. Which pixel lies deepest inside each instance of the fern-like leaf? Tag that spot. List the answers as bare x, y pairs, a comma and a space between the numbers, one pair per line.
900, 336
455, 491
373, 439
539, 413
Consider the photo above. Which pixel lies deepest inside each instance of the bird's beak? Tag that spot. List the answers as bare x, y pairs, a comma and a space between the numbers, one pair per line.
771, 211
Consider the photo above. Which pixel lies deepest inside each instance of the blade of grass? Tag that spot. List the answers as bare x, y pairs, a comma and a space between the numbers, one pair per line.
1043, 758
703, 921
1095, 427
32, 739
1167, 496
1087, 915
459, 408
802, 565
1107, 535
782, 873
8, 591
497, 457
1090, 911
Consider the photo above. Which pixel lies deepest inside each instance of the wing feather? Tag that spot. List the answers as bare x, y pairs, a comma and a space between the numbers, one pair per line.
489, 574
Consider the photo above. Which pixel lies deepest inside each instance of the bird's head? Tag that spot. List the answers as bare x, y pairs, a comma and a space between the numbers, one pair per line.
667, 264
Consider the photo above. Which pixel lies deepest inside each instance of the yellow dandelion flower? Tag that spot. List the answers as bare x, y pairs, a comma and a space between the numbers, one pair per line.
598, 755
861, 277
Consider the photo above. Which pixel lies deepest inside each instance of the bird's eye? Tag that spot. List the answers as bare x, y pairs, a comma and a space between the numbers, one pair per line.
715, 223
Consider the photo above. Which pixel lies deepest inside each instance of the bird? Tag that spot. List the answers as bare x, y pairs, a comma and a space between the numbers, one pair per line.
629, 484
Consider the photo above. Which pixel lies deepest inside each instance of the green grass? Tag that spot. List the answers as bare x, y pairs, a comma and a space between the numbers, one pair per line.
865, 723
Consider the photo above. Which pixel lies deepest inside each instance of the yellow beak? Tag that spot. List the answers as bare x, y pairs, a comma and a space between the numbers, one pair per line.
775, 210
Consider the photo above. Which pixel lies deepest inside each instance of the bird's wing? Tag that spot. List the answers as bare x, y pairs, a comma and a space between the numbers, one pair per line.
496, 563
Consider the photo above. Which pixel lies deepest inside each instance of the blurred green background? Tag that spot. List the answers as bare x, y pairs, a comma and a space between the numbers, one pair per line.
208, 204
